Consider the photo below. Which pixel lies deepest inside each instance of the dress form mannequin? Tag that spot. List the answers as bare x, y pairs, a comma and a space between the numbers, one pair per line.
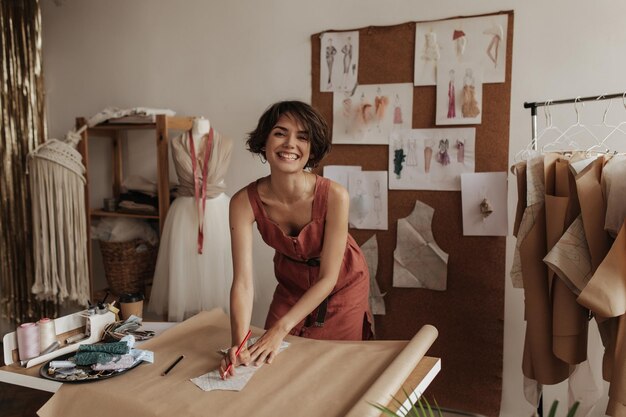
200, 127
194, 274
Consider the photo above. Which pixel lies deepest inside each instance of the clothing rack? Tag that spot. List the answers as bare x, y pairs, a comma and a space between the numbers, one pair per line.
533, 108
533, 113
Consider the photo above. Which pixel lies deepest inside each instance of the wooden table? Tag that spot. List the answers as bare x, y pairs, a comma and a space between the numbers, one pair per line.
416, 383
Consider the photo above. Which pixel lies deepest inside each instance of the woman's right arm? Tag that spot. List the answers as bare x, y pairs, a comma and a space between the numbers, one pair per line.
241, 218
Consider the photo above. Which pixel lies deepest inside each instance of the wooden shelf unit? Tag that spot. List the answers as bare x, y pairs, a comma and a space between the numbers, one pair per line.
115, 132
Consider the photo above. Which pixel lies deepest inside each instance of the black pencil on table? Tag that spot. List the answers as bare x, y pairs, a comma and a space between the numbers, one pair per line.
172, 365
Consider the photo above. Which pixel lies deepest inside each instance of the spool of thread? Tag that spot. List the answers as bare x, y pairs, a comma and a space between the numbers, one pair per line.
47, 333
27, 341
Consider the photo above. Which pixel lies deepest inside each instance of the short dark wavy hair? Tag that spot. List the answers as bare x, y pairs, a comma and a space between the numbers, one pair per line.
311, 120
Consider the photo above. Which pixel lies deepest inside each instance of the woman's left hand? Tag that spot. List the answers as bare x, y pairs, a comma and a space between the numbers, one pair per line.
266, 348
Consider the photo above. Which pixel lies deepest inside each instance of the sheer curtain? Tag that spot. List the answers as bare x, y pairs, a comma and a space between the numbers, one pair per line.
22, 128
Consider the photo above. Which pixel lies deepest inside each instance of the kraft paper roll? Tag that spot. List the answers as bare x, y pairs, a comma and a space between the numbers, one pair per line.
390, 381
333, 375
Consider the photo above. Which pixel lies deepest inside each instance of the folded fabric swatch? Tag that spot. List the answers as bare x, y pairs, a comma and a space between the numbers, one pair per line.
100, 353
121, 348
117, 362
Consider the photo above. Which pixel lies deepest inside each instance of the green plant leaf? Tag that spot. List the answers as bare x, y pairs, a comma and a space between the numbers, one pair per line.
413, 409
572, 410
552, 412
430, 410
437, 406
384, 410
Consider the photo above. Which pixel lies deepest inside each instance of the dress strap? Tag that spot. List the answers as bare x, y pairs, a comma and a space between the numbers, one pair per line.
320, 201
255, 200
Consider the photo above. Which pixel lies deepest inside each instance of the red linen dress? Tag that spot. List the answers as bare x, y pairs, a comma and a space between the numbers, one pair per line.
345, 314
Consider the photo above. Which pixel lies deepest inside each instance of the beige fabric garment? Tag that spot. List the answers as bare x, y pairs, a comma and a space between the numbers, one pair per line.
218, 164
310, 378
570, 258
614, 188
569, 319
606, 295
539, 361
592, 208
519, 170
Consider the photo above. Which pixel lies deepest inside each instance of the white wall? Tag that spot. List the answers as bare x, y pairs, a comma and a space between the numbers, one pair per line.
229, 60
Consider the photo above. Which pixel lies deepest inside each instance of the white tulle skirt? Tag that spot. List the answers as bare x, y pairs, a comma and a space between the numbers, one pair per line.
186, 282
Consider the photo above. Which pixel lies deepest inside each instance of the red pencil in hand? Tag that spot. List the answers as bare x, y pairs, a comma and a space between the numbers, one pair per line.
243, 343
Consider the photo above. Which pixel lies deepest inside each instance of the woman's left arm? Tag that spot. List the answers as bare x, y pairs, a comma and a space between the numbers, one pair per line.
333, 249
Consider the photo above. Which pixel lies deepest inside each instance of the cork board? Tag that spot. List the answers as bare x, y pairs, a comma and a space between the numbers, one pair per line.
470, 313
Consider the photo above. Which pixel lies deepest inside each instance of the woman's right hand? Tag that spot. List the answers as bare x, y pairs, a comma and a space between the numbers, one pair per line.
231, 357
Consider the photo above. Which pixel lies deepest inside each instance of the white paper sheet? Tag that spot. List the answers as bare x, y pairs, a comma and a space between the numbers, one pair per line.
484, 188
370, 113
368, 199
459, 93
339, 173
339, 61
480, 39
213, 380
430, 159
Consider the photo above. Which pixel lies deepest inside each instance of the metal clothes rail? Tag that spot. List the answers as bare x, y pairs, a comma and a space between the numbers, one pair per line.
533, 108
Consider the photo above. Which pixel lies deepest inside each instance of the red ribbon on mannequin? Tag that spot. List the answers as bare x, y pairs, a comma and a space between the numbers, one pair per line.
196, 181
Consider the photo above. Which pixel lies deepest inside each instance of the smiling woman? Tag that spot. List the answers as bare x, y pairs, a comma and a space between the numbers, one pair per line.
323, 281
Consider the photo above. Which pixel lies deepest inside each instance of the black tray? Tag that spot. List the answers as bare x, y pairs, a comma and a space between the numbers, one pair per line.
92, 375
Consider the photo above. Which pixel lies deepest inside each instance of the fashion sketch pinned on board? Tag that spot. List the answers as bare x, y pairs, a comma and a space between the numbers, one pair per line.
399, 156
368, 199
397, 112
473, 39
364, 117
459, 93
438, 165
497, 35
469, 108
451, 95
460, 41
429, 54
339, 61
443, 157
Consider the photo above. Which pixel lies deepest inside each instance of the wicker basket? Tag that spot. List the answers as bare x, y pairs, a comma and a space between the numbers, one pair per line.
127, 265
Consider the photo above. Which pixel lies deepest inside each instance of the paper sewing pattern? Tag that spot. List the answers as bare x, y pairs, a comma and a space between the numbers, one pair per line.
570, 258
535, 196
370, 250
213, 380
418, 262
